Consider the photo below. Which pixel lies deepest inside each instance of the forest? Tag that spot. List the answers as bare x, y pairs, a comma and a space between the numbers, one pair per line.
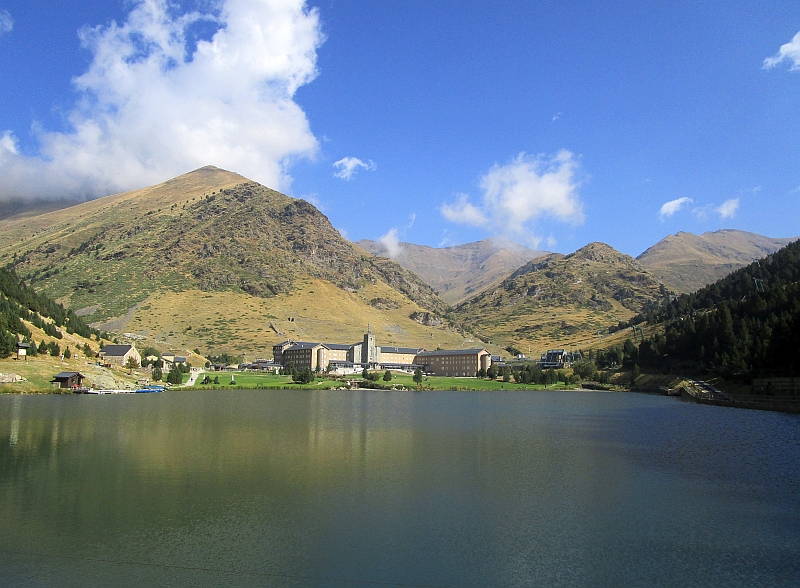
19, 301
744, 325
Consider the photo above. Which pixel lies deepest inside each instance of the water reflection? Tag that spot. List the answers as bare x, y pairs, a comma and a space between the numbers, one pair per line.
452, 489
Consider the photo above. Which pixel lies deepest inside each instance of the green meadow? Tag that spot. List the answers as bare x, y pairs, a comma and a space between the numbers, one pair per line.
251, 380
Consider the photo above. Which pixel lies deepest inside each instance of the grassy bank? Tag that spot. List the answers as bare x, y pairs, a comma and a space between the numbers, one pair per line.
249, 380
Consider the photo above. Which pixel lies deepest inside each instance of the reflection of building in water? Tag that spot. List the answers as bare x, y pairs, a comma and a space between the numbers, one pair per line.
13, 438
364, 433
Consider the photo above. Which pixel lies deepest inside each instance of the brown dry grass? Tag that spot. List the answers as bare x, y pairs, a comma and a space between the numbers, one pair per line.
238, 323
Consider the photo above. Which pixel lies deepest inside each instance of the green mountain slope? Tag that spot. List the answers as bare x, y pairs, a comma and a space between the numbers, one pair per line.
212, 232
745, 324
561, 300
19, 302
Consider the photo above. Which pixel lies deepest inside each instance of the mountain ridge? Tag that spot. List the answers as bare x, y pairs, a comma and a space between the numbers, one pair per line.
687, 262
459, 271
213, 237
562, 299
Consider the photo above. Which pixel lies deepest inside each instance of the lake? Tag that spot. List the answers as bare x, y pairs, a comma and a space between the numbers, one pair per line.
371, 488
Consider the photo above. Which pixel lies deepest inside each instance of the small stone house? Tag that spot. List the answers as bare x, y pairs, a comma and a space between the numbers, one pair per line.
119, 354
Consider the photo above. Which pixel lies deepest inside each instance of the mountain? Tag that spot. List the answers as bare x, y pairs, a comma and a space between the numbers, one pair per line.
561, 300
458, 272
215, 261
686, 262
23, 207
744, 325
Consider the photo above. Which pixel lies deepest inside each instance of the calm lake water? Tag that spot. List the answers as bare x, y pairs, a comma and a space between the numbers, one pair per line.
370, 488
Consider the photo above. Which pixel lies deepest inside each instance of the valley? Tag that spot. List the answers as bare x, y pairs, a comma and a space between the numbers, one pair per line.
210, 262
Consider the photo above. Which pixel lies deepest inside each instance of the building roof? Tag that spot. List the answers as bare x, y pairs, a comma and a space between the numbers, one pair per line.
116, 350
303, 345
67, 375
452, 352
404, 350
338, 346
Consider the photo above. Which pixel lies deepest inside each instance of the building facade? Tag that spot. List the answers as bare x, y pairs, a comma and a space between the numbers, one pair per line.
305, 356
454, 362
398, 357
120, 354
369, 351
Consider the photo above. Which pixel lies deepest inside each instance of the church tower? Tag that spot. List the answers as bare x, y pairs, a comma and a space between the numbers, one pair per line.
369, 352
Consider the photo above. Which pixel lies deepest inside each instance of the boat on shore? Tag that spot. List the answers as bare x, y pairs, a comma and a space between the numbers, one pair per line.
149, 389
100, 391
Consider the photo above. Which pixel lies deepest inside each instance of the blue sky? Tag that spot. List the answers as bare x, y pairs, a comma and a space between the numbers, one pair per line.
549, 123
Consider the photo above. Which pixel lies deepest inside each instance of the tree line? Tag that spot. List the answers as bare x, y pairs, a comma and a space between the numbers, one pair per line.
19, 301
744, 325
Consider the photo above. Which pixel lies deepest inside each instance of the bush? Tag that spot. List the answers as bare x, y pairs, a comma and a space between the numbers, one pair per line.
387, 376
586, 369
175, 376
304, 376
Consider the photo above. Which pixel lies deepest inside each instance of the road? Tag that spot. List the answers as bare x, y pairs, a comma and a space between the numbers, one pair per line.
193, 377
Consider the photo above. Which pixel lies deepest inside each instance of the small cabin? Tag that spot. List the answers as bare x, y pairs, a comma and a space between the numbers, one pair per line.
68, 379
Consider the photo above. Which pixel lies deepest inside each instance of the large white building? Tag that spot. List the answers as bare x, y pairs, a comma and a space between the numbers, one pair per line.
366, 353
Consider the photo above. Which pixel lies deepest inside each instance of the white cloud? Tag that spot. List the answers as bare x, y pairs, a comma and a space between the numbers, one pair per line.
151, 107
673, 206
6, 22
348, 167
8, 142
728, 208
702, 212
556, 116
516, 195
412, 218
391, 243
788, 52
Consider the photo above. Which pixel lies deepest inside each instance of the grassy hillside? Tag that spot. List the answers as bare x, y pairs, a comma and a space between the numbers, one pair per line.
562, 300
687, 262
209, 260
459, 272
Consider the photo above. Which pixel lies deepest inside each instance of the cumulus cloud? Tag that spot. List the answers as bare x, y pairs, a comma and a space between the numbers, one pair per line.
8, 143
153, 104
391, 243
6, 22
728, 208
348, 167
515, 196
673, 206
788, 52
